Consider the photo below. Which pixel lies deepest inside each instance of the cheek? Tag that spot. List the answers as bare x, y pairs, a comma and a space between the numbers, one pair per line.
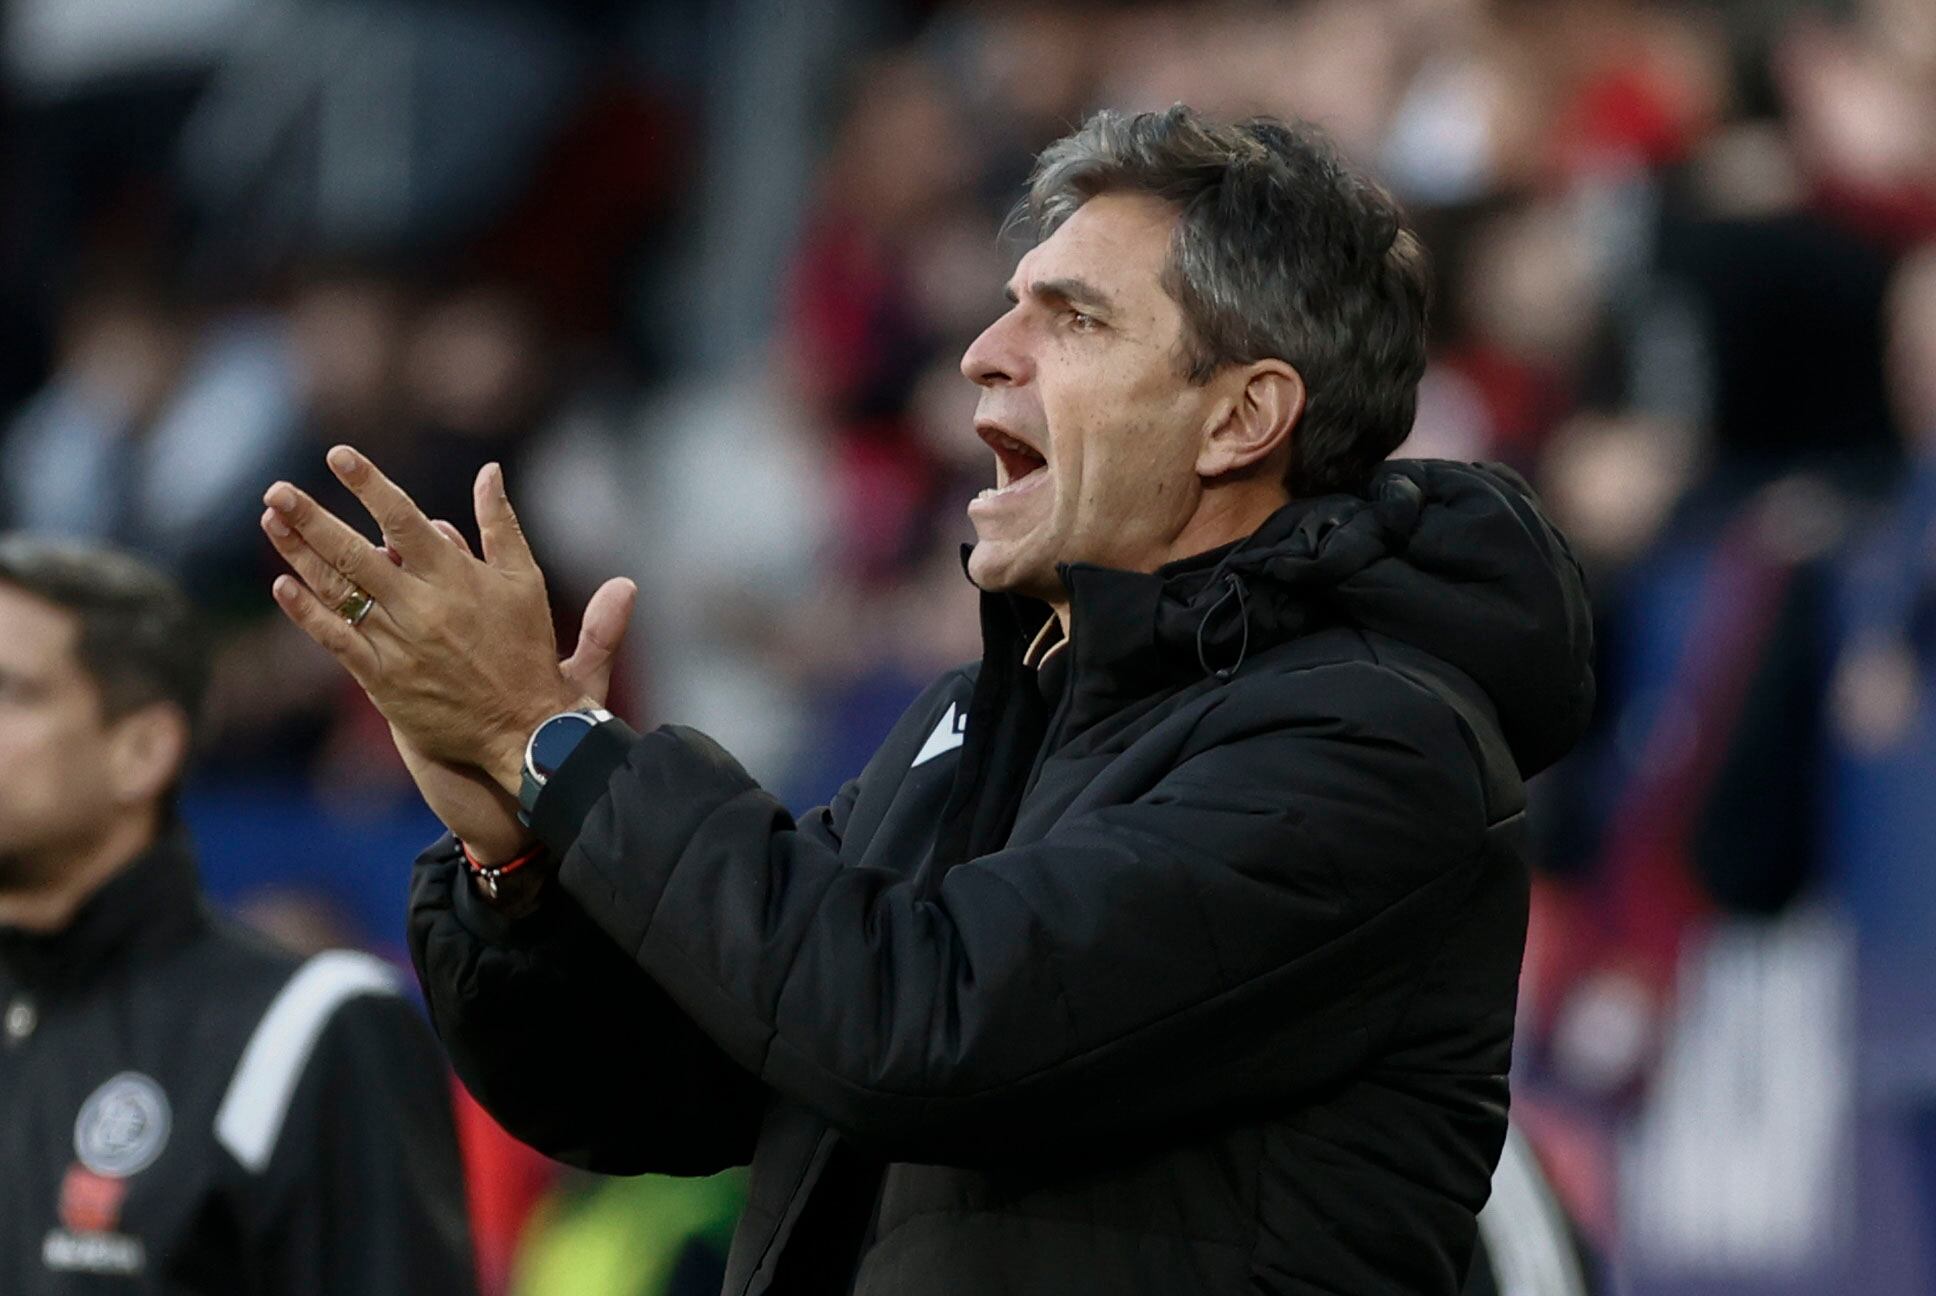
52, 772
1138, 474
1123, 428
32, 800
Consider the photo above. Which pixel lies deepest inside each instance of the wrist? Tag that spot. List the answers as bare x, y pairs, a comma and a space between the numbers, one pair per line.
506, 765
510, 884
496, 850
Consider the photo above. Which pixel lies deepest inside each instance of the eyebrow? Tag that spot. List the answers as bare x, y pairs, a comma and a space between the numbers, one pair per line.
1068, 290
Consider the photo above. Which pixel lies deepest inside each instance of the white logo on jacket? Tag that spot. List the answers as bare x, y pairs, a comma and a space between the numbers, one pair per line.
949, 733
123, 1126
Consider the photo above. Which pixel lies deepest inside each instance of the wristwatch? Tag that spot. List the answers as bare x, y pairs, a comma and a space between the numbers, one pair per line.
550, 744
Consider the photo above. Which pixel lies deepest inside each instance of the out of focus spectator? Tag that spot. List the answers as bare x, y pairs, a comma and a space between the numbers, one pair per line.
190, 1107
1883, 756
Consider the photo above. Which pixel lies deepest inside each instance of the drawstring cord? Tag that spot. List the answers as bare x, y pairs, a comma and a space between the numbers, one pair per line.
1233, 585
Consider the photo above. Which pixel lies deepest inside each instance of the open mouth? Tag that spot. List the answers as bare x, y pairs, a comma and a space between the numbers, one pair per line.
1015, 460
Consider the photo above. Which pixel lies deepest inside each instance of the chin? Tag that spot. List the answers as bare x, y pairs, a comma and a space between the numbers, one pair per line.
988, 568
996, 568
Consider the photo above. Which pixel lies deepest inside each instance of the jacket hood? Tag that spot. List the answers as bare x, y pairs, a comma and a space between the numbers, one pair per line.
1454, 559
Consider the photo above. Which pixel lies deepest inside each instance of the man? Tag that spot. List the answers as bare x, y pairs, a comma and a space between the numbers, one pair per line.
187, 1109
1173, 946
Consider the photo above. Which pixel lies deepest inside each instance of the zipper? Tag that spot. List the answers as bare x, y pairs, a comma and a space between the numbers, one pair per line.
1058, 718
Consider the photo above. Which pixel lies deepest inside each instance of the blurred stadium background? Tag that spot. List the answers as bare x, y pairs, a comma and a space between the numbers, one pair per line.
699, 275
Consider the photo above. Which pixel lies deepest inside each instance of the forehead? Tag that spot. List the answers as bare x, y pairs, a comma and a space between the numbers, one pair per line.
36, 637
1120, 242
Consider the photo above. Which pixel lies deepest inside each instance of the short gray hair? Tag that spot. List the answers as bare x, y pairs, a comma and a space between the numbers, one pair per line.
1282, 251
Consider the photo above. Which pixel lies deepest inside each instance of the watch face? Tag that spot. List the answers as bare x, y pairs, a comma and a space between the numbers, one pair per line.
555, 740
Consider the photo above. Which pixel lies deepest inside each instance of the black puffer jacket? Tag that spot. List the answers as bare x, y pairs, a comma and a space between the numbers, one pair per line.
186, 1110
1186, 966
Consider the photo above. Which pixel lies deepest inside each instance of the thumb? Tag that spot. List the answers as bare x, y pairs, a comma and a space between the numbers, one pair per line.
606, 620
498, 532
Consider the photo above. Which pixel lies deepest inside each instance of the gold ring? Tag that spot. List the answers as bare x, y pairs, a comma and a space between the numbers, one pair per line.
355, 606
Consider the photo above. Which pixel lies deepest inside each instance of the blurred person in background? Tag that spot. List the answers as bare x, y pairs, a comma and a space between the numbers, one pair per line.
1173, 946
1688, 988
240, 231
1882, 756
188, 1108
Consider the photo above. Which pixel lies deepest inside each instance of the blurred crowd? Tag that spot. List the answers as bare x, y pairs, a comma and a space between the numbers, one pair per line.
1686, 265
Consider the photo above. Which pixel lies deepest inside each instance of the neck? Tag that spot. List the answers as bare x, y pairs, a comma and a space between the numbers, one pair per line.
45, 891
1224, 516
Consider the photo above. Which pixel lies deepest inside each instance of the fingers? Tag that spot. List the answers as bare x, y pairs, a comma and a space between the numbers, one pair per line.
337, 636
335, 541
451, 533
324, 581
606, 620
330, 586
497, 525
403, 523
444, 529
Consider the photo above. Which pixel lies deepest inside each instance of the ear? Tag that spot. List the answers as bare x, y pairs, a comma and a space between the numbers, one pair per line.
147, 749
1255, 422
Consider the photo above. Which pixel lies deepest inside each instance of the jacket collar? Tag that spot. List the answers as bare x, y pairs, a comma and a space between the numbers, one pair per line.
1455, 560
153, 904
1131, 633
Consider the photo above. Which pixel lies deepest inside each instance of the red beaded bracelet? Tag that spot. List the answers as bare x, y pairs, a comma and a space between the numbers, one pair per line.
488, 876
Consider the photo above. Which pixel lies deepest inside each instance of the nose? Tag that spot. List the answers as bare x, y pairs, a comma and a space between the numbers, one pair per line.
996, 357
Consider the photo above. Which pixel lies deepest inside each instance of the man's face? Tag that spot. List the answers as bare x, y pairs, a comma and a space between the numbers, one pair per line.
1095, 426
55, 790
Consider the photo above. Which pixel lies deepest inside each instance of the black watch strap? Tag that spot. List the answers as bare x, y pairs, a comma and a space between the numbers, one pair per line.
568, 796
547, 749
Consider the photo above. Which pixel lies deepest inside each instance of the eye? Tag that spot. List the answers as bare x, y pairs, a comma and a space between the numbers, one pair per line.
1083, 322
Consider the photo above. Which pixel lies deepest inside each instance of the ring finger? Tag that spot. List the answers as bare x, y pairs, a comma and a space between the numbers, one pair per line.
324, 581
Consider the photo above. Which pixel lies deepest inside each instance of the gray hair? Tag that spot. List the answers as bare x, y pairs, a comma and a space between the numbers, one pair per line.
1280, 251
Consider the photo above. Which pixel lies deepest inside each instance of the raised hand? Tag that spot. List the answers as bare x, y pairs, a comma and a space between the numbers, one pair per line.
482, 814
457, 652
